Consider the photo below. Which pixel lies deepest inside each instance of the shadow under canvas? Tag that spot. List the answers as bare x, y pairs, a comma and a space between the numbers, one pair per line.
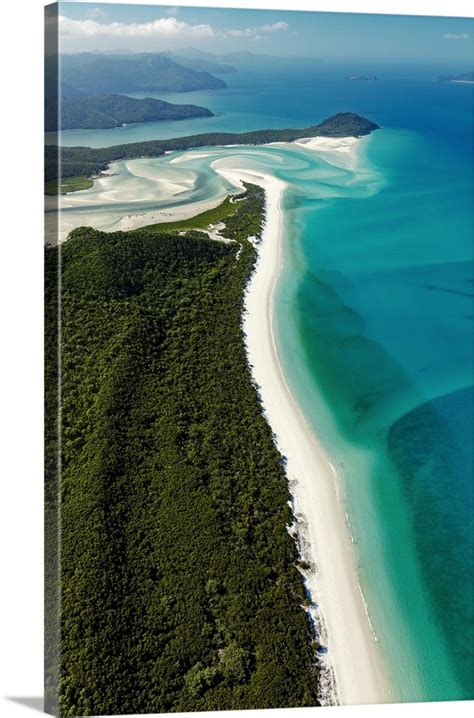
33, 702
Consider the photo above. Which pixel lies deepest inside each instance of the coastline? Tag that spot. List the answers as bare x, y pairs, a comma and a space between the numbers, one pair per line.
352, 670
169, 189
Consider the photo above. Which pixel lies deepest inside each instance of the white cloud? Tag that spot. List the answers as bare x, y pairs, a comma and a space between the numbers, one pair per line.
453, 36
164, 27
275, 27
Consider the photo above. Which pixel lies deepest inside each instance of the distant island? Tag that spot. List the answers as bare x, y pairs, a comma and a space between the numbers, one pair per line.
112, 110
89, 161
360, 77
94, 73
461, 77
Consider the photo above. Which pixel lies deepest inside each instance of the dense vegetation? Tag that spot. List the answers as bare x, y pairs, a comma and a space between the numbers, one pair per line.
68, 184
105, 111
91, 160
224, 212
179, 581
145, 72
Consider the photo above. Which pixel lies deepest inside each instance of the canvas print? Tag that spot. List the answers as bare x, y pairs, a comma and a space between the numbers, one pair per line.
259, 358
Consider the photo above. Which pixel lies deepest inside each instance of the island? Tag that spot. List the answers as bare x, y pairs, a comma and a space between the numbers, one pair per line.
461, 77
112, 110
363, 78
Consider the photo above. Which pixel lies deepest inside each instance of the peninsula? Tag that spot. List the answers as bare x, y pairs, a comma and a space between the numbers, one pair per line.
89, 161
122, 283
105, 111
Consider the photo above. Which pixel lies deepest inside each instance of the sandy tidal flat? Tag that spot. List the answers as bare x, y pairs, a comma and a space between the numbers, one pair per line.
142, 191
132, 194
329, 144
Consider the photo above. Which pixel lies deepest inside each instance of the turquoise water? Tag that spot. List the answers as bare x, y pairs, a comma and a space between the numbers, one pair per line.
302, 95
374, 314
378, 298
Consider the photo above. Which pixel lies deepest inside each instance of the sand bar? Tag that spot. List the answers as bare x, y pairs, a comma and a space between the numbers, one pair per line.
116, 220
329, 144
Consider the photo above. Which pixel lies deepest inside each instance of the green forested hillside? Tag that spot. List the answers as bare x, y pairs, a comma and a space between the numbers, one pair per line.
90, 160
180, 588
97, 73
105, 111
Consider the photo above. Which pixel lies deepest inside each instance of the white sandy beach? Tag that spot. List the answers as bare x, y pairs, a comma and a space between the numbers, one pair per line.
353, 659
329, 144
341, 149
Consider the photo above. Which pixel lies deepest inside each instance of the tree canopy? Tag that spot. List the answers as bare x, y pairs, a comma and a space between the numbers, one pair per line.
179, 583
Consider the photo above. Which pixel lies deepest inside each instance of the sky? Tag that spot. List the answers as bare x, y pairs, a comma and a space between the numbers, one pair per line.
156, 28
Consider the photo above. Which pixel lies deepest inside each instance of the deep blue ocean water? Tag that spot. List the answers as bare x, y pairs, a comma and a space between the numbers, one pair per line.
374, 315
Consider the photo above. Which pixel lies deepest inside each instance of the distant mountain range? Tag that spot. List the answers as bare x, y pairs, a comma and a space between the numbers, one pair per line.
242, 57
106, 111
184, 70
93, 74
200, 64
93, 86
